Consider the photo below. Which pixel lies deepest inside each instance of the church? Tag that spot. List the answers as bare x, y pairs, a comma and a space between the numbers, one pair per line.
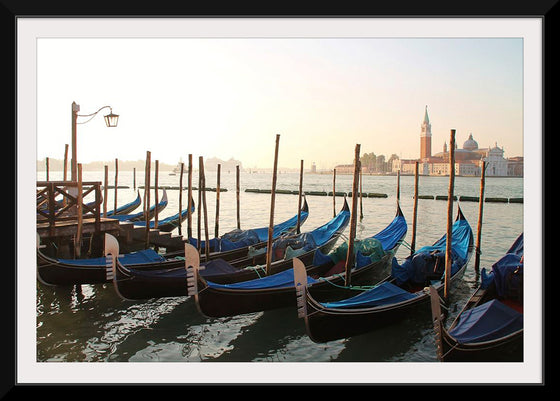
468, 159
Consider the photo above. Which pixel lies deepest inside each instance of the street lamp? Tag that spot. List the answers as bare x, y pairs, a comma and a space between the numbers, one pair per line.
111, 120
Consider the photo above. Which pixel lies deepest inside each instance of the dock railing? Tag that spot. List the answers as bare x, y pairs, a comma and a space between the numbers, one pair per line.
71, 205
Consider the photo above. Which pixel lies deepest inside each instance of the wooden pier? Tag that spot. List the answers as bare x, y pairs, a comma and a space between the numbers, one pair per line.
75, 227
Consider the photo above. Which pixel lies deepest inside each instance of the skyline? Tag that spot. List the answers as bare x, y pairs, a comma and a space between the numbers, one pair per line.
229, 97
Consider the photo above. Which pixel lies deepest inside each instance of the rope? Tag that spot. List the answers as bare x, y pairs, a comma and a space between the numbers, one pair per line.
406, 244
356, 287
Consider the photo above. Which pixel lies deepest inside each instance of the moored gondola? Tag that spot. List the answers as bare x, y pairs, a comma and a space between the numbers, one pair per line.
141, 216
134, 284
169, 223
126, 208
393, 298
489, 328
56, 271
278, 290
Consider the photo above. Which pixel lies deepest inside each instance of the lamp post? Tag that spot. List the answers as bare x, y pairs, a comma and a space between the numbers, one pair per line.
111, 120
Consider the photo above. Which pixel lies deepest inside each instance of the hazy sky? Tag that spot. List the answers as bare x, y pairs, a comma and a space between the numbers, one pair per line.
229, 97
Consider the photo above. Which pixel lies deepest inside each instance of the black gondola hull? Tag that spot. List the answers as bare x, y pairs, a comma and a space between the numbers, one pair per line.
223, 302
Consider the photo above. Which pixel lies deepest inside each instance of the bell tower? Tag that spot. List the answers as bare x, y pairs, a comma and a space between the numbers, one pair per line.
426, 137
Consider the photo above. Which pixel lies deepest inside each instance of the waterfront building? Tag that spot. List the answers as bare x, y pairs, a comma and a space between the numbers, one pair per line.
468, 159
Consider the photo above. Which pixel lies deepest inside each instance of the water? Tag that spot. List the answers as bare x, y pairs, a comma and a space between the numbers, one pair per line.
90, 323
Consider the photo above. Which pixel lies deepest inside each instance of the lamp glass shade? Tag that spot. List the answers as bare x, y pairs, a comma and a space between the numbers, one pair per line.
111, 120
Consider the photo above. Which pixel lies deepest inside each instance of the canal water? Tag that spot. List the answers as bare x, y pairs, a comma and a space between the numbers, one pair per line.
90, 323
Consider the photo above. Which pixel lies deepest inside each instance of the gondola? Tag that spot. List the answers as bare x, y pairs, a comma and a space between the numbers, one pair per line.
126, 208
170, 223
255, 237
393, 298
324, 277
57, 271
489, 328
141, 216
135, 284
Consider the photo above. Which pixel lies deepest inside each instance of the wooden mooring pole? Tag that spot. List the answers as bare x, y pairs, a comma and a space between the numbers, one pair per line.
199, 208
350, 255
361, 206
65, 167
300, 194
116, 182
181, 195
147, 197
415, 211
156, 197
449, 239
79, 201
237, 196
272, 200
105, 190
334, 193
202, 189
479, 224
217, 222
189, 194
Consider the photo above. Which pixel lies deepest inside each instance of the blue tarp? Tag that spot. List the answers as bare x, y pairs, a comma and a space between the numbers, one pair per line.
507, 272
387, 239
217, 267
323, 234
423, 261
278, 280
281, 228
236, 239
383, 294
140, 257
486, 322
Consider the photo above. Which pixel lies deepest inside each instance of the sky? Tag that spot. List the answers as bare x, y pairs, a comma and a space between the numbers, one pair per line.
230, 97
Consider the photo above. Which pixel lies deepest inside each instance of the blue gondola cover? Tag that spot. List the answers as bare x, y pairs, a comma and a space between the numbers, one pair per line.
486, 322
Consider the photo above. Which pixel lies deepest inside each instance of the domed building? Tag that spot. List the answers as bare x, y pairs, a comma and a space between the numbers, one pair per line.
468, 159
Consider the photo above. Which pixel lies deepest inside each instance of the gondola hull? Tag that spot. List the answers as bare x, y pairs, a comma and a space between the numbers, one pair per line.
51, 271
134, 284
326, 324
506, 349
223, 302
489, 328
383, 305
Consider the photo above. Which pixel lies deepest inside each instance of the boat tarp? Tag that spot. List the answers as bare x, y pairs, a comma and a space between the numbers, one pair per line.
217, 267
236, 239
133, 258
301, 243
383, 294
281, 228
304, 242
487, 322
507, 272
279, 280
429, 261
369, 249
323, 234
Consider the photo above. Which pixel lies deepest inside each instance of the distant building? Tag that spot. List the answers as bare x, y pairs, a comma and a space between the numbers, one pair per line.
468, 160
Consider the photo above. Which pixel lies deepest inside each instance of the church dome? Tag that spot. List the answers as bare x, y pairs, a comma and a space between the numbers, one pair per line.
470, 144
